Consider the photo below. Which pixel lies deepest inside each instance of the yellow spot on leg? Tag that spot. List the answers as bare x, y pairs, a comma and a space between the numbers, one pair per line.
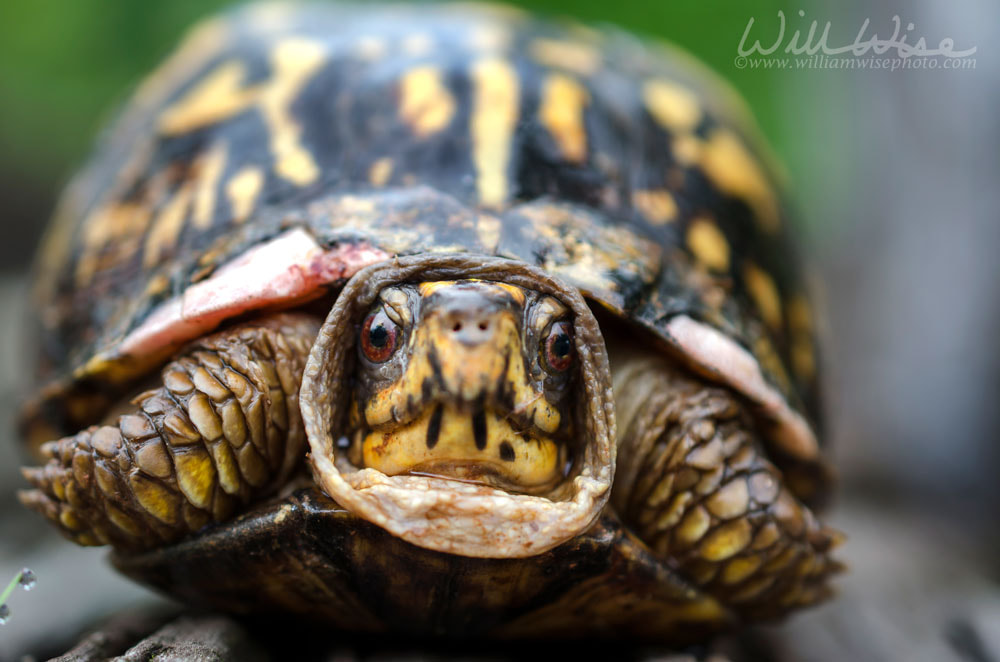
708, 244
657, 206
426, 104
675, 108
561, 112
155, 499
764, 293
494, 116
195, 476
727, 540
243, 189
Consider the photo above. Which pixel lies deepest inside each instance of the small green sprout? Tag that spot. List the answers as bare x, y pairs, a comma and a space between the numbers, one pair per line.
25, 579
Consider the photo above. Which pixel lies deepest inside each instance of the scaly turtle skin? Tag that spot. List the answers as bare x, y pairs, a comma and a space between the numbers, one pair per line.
483, 267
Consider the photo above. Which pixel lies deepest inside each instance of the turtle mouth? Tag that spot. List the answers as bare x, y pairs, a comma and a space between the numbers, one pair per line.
483, 446
370, 449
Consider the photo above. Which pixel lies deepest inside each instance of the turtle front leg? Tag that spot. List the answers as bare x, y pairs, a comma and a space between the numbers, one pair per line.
694, 483
222, 429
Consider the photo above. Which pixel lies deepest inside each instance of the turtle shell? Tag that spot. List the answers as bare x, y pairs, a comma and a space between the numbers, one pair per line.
354, 135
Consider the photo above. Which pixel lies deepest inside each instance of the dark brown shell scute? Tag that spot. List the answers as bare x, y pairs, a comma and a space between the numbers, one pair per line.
616, 167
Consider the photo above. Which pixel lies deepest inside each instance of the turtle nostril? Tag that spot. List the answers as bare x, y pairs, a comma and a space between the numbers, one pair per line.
471, 328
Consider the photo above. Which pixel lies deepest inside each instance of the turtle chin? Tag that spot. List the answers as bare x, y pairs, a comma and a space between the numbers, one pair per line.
462, 403
481, 446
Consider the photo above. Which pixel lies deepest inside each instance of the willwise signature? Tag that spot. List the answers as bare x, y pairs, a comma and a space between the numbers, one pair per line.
810, 44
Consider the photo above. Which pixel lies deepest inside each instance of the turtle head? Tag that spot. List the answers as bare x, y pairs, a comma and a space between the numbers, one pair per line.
463, 404
466, 379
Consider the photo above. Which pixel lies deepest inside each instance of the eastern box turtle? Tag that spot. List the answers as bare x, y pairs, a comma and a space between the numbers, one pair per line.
435, 319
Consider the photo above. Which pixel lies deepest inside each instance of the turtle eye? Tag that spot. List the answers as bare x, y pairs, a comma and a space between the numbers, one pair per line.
379, 336
557, 348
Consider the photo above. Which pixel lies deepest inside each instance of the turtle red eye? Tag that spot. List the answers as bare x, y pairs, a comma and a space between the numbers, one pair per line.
379, 337
558, 348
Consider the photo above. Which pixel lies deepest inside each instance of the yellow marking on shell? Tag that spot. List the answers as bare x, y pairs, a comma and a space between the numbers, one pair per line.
573, 56
803, 357
708, 244
156, 286
799, 314
417, 45
801, 325
656, 205
426, 104
728, 164
764, 293
221, 95
200, 44
674, 107
770, 361
166, 227
380, 171
210, 171
294, 61
242, 189
561, 112
105, 225
496, 98
218, 96
488, 230
687, 148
